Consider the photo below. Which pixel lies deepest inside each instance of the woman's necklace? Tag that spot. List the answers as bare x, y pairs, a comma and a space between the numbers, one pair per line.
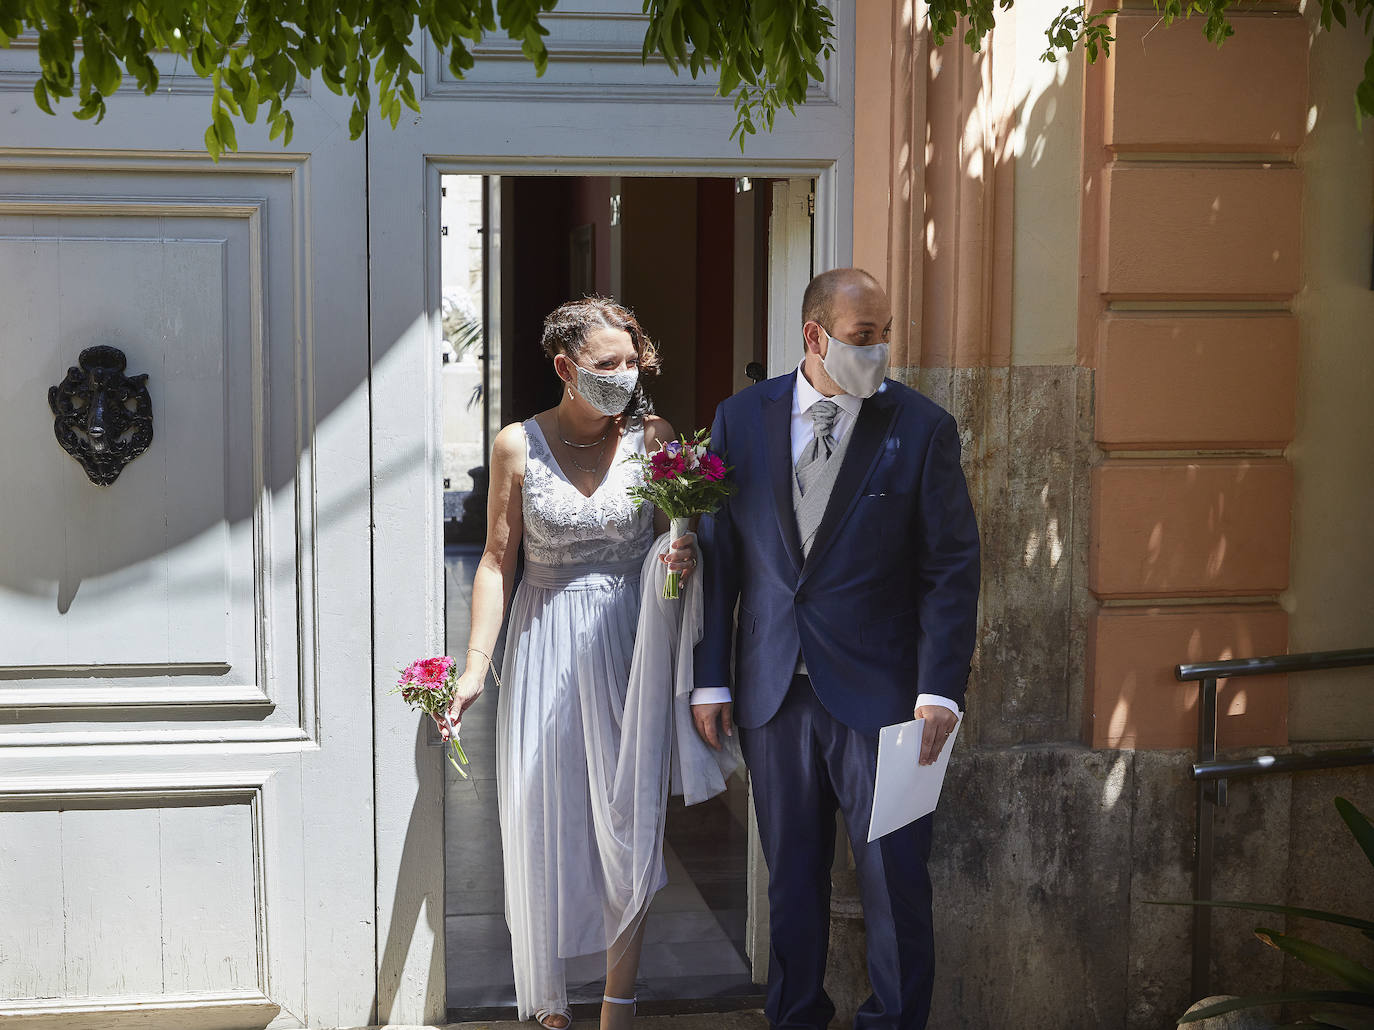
596, 462
581, 446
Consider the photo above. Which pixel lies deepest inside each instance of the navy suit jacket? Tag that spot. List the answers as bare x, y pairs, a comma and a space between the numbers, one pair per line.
884, 607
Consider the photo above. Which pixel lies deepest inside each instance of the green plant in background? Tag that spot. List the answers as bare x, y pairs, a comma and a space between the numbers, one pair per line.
1355, 1003
462, 329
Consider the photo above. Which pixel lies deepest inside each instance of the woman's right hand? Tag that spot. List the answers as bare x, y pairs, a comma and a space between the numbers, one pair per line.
467, 690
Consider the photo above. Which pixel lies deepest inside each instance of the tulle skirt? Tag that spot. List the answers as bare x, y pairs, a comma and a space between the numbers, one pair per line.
570, 642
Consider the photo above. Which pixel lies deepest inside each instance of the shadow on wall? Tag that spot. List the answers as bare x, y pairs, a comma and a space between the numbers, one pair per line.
412, 905
1025, 426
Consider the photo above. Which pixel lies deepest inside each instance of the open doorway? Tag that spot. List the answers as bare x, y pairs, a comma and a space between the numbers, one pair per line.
691, 257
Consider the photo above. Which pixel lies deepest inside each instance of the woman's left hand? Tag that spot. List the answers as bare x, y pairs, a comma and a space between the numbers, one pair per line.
682, 556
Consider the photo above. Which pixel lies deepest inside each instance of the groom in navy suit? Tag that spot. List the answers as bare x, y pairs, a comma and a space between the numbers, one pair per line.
851, 550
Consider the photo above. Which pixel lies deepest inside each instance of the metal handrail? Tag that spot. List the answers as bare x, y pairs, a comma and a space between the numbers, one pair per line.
1312, 661
1262, 765
1212, 774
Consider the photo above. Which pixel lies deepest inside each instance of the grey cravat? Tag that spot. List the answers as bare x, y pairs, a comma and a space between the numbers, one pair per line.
814, 457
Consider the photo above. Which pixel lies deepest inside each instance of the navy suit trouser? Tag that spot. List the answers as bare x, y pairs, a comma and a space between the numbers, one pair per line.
805, 765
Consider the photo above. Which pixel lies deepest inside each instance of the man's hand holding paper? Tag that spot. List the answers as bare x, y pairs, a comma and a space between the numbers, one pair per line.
908, 786
940, 723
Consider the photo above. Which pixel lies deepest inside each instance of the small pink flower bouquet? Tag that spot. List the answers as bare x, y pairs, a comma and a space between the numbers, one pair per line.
682, 479
427, 684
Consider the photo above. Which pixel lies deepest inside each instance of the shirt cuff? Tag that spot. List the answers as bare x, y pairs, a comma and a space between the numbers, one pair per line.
921, 701
711, 696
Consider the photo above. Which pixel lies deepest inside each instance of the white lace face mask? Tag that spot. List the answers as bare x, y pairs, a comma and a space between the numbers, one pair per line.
610, 392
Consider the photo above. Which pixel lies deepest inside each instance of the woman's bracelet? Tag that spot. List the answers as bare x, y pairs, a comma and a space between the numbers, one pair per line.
490, 664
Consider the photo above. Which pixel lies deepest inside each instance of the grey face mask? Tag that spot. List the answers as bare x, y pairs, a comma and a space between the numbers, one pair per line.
608, 393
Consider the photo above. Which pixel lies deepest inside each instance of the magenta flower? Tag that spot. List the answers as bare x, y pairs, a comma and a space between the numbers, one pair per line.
666, 465
712, 467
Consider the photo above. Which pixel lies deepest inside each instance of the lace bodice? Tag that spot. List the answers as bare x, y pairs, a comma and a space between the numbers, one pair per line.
562, 527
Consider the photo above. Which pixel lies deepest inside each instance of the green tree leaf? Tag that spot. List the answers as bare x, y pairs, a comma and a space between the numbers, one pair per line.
1291, 911
40, 97
1359, 825
1322, 958
1282, 998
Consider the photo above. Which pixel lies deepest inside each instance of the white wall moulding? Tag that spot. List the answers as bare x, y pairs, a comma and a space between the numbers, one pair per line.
19, 70
187, 582
594, 54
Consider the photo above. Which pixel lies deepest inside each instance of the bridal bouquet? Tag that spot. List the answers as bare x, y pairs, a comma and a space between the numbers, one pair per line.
427, 684
682, 479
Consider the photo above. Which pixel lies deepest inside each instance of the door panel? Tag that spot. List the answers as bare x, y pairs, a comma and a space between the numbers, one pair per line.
185, 777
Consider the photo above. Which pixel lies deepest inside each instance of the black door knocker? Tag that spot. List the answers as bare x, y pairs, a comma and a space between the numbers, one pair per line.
104, 418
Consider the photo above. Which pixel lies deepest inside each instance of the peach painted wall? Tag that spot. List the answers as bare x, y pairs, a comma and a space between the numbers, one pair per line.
966, 191
1192, 256
1025, 214
1330, 601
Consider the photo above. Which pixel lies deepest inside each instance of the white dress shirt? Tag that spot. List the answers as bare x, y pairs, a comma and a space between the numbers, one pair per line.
804, 395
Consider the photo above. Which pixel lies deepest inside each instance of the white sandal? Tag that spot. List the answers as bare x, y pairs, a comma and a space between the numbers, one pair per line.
622, 1001
543, 1017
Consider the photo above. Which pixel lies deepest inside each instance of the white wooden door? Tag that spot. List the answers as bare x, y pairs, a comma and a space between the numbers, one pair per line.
596, 111
186, 830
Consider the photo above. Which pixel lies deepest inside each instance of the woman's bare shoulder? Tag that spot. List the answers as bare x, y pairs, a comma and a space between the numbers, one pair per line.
657, 431
508, 449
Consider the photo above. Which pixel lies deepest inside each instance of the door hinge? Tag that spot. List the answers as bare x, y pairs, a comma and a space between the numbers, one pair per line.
811, 204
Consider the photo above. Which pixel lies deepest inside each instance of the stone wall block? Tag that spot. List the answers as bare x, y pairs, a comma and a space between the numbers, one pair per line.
1028, 618
1137, 703
969, 394
1327, 869
1180, 382
1251, 864
1027, 463
1251, 850
1190, 231
1031, 877
1255, 87
1086, 456
1157, 978
1212, 527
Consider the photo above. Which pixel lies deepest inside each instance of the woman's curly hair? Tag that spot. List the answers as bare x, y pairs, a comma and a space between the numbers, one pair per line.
566, 329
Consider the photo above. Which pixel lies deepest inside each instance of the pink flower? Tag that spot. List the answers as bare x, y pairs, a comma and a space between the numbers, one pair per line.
666, 465
712, 467
434, 671
427, 673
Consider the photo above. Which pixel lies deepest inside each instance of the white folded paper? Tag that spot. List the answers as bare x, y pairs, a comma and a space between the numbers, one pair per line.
905, 789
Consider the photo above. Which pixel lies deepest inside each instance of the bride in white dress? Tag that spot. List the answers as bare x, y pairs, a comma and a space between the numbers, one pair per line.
559, 483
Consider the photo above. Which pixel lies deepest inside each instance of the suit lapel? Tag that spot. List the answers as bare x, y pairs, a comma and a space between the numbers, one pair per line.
870, 431
777, 429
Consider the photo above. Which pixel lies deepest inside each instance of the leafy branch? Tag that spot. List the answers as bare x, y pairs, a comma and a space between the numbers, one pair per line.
255, 53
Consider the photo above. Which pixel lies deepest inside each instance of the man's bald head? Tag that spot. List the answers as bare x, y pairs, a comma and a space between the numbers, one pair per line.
818, 302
